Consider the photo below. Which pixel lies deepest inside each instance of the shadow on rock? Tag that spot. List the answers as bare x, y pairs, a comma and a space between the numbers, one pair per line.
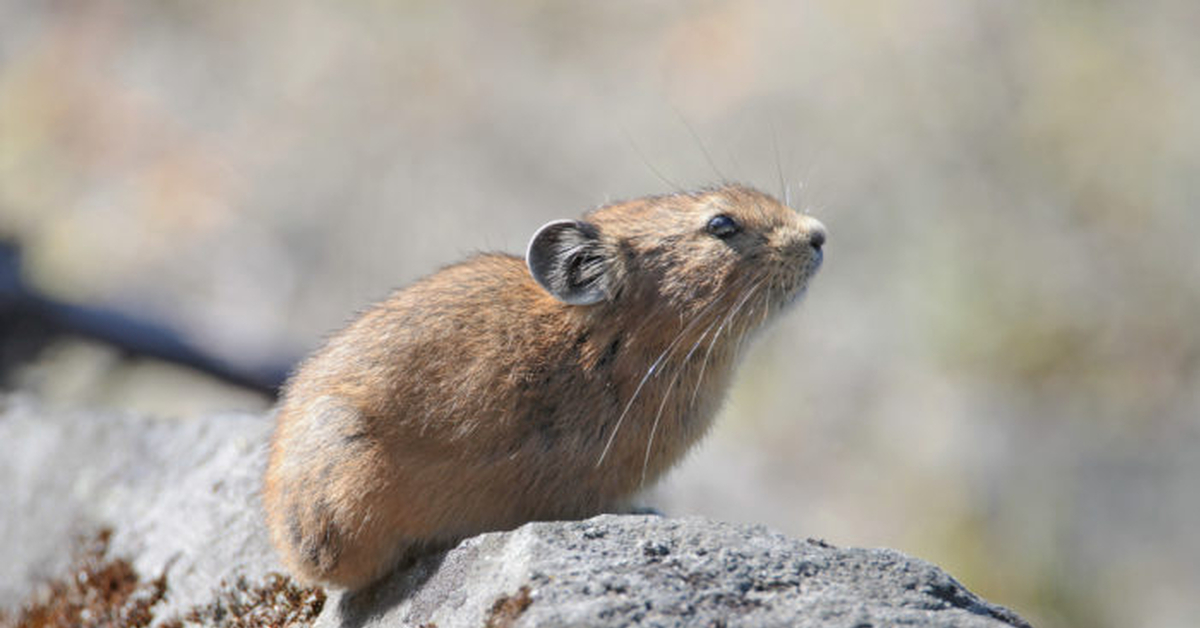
357, 609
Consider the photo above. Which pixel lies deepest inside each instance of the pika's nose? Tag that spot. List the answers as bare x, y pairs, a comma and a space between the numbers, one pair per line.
816, 232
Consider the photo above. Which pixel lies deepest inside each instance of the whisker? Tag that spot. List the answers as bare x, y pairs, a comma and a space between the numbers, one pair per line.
737, 348
766, 307
712, 343
699, 142
667, 395
741, 339
645, 160
650, 371
704, 363
779, 165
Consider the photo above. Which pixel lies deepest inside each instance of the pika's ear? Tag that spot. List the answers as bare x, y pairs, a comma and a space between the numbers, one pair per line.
567, 258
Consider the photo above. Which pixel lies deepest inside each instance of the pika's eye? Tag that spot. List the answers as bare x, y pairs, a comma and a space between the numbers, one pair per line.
723, 226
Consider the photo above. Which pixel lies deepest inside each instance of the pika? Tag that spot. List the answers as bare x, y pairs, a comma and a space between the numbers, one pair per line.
499, 390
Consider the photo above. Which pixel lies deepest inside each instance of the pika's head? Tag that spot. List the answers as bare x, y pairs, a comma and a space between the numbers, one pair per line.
683, 251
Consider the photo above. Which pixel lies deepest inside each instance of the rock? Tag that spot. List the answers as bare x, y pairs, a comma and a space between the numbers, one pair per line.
182, 499
622, 570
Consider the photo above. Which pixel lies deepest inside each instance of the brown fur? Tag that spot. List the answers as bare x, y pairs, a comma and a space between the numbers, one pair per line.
474, 400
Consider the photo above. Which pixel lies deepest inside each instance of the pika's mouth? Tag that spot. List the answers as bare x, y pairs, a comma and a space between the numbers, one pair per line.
814, 243
814, 262
790, 281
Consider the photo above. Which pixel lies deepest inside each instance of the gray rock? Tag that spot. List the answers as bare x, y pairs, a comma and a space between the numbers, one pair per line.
182, 499
621, 570
180, 496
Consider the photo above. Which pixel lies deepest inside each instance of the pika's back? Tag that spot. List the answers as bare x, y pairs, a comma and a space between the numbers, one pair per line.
501, 390
465, 311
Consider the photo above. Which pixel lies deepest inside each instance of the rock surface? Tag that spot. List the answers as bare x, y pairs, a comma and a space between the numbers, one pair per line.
182, 499
622, 570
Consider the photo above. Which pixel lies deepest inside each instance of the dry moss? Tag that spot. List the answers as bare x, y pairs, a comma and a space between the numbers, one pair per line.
98, 592
507, 608
103, 592
277, 603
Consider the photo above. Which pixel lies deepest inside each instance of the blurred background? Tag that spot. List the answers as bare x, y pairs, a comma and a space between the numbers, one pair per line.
998, 368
